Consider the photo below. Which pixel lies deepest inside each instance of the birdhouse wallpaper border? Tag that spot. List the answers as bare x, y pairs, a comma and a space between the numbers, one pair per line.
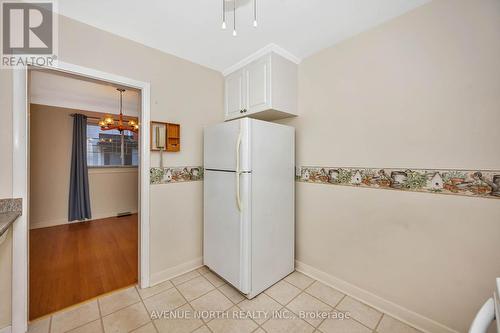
175, 174
475, 183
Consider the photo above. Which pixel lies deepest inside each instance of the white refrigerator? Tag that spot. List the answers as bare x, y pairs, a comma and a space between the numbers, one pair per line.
249, 203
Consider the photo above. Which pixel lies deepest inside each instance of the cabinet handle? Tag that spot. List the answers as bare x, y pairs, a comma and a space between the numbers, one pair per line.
244, 110
241, 111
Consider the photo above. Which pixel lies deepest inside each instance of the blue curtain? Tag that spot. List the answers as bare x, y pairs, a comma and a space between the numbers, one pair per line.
79, 198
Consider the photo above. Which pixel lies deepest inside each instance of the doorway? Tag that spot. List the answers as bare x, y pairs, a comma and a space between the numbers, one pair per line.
20, 278
92, 249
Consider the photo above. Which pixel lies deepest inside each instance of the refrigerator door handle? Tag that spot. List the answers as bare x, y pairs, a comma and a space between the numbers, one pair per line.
484, 317
238, 172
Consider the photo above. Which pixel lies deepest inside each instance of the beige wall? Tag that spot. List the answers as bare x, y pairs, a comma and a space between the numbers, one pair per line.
181, 92
177, 234
420, 91
112, 190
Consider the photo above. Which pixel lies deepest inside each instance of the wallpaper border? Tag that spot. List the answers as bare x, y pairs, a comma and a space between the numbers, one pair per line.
472, 183
180, 174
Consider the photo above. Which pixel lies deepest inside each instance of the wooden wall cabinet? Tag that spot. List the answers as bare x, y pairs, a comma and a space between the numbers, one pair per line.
173, 137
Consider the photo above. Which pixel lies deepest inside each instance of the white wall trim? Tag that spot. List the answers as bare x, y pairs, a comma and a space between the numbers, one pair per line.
20, 181
7, 329
405, 315
259, 53
172, 272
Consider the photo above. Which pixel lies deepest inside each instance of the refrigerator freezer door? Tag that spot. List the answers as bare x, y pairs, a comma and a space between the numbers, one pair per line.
221, 143
226, 244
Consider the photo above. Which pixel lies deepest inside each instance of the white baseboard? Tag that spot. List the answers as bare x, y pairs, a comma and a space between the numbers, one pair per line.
7, 329
45, 224
405, 315
172, 272
52, 223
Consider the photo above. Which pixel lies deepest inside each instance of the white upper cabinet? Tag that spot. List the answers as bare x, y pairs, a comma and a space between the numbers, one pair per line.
258, 79
234, 94
265, 88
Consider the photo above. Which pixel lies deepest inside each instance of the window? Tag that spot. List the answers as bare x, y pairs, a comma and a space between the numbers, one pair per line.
105, 148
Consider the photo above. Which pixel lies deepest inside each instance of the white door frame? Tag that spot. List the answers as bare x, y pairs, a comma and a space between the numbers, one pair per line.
20, 181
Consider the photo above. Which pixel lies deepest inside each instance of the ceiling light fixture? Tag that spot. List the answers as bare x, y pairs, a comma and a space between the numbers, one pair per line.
107, 123
234, 18
224, 25
223, 14
255, 13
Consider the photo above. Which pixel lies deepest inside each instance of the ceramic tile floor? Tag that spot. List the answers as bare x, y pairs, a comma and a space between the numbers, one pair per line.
221, 306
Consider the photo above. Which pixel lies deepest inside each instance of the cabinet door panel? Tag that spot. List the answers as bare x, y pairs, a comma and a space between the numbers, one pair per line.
258, 86
234, 94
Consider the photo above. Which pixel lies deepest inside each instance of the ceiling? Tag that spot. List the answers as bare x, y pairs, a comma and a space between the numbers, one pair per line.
58, 89
191, 29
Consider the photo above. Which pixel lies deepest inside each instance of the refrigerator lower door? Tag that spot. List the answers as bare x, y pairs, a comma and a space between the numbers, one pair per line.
226, 243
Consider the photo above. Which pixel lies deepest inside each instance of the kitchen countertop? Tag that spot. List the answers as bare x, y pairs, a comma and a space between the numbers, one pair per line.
10, 210
6, 220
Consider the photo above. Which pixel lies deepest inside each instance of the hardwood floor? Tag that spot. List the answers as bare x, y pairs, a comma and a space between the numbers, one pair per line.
76, 262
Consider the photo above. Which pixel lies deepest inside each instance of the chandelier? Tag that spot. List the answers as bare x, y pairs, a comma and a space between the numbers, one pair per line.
108, 123
234, 15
